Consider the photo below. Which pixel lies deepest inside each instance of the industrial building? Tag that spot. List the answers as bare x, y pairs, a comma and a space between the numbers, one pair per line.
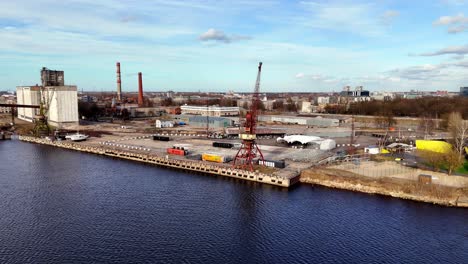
464, 91
163, 124
6, 99
213, 121
28, 95
209, 110
52, 78
308, 121
62, 103
358, 95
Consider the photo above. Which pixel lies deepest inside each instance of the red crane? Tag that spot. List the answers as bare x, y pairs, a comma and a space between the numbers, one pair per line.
249, 150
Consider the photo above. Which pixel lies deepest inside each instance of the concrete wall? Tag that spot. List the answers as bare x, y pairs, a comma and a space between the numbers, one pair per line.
395, 170
63, 108
28, 95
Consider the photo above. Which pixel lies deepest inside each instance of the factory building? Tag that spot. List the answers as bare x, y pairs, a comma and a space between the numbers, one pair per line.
358, 95
28, 95
52, 78
163, 124
308, 121
62, 101
6, 99
216, 111
213, 121
323, 100
464, 91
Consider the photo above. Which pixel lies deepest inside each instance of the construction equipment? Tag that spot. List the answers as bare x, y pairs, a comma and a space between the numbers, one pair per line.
41, 126
249, 149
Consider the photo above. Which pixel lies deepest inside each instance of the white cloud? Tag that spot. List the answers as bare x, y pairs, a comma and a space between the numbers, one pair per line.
454, 50
361, 19
430, 73
300, 75
455, 24
219, 36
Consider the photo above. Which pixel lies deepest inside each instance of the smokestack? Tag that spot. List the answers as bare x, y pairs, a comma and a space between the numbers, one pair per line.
140, 90
119, 84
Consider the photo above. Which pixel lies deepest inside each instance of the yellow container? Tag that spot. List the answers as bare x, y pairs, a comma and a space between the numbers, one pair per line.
212, 158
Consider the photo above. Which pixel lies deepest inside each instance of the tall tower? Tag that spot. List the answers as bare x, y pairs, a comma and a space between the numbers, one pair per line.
119, 84
140, 90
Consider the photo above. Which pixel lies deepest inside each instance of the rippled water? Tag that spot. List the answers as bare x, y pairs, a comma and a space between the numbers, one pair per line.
61, 206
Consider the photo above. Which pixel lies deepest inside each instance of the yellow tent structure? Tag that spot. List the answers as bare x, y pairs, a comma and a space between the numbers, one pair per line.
433, 145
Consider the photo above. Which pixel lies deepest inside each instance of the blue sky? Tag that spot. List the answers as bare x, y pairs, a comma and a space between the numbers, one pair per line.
306, 46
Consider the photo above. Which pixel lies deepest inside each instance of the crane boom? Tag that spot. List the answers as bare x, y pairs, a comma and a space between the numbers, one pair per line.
249, 149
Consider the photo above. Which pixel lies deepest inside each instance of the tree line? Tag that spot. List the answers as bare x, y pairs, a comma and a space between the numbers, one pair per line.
431, 107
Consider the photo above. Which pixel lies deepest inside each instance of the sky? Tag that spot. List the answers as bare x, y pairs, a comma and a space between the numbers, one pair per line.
215, 46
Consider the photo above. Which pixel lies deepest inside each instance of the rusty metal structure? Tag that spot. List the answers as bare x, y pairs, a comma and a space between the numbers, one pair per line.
119, 84
249, 149
14, 106
140, 90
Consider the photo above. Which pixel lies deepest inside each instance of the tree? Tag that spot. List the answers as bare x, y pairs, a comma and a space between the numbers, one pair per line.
427, 125
167, 101
385, 120
433, 159
458, 129
278, 105
453, 160
291, 106
261, 106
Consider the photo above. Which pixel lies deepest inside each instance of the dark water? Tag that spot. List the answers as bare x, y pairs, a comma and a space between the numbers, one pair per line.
60, 206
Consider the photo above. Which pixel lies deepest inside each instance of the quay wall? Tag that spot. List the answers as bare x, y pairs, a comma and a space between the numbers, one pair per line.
189, 165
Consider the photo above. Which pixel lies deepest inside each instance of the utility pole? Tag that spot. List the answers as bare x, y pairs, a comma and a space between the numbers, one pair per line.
207, 117
351, 141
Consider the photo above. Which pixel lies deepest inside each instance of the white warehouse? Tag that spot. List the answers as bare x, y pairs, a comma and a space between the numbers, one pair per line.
62, 100
210, 110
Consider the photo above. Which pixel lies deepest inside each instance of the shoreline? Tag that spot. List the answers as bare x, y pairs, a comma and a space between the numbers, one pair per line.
402, 189
166, 161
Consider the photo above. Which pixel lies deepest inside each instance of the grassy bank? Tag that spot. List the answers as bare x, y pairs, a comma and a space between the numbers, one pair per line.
398, 188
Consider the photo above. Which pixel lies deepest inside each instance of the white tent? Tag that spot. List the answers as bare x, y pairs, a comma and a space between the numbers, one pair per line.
327, 144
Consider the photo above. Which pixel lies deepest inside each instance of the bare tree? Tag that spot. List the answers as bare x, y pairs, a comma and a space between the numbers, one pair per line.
385, 120
458, 129
427, 125
453, 160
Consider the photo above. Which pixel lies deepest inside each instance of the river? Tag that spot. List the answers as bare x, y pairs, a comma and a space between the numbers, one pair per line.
63, 206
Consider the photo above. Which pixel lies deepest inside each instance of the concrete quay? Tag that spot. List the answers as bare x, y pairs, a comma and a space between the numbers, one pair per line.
285, 180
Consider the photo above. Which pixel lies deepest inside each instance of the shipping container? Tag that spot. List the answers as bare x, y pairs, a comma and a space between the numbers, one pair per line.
160, 138
272, 163
223, 145
215, 158
194, 157
179, 152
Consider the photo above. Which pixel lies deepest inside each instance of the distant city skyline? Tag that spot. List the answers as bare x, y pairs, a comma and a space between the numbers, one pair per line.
306, 46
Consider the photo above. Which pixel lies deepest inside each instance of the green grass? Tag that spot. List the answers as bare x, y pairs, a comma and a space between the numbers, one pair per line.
463, 169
